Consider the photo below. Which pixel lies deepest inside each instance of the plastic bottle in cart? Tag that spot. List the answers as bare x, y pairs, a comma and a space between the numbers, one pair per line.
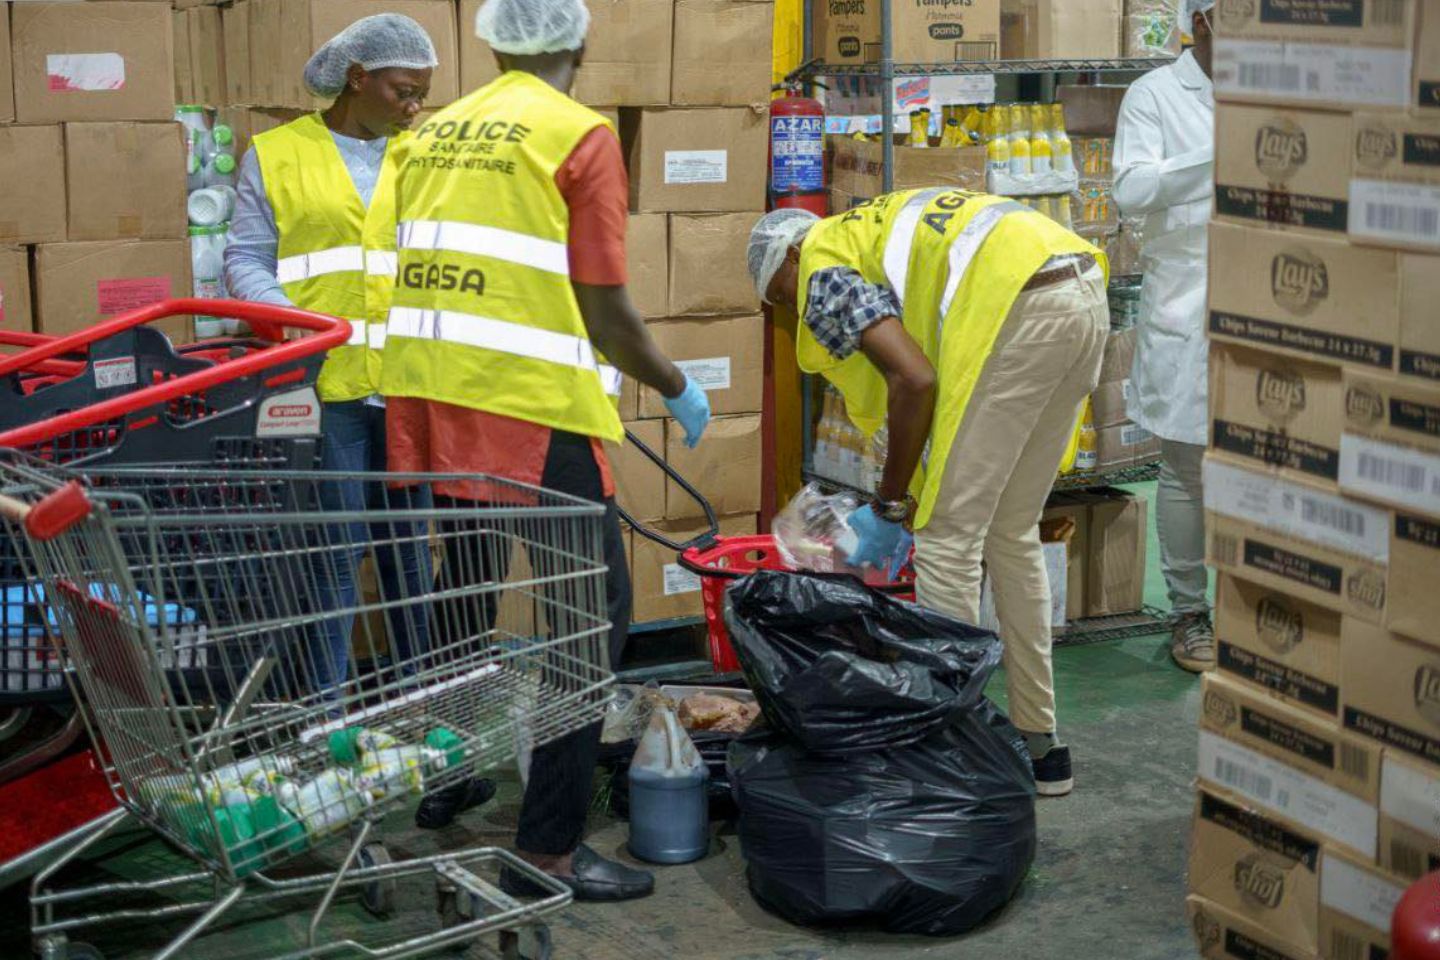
207, 264
220, 171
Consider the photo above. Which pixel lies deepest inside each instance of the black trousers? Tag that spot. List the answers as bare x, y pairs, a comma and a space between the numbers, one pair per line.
557, 795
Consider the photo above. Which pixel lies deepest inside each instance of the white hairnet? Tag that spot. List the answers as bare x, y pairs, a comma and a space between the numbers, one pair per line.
772, 236
528, 27
1193, 7
384, 40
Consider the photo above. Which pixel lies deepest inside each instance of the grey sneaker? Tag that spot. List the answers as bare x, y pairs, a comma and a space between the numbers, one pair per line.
1192, 642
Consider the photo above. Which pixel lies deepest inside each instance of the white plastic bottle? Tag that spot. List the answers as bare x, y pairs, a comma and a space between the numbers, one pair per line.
207, 263
220, 171
210, 206
194, 172
219, 139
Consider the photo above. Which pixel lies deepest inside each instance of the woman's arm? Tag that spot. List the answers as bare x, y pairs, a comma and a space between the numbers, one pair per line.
251, 249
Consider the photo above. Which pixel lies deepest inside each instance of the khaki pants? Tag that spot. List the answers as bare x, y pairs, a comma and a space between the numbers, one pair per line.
1180, 521
1009, 446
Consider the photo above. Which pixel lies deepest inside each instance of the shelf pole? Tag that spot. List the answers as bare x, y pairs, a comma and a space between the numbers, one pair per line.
887, 97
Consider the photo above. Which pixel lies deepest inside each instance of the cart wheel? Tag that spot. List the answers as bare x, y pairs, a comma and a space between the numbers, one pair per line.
377, 896
536, 946
447, 904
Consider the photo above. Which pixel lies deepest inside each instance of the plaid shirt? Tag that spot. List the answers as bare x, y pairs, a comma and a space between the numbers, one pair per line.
840, 306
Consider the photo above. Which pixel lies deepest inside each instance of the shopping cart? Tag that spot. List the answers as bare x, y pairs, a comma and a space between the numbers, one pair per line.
248, 763
719, 561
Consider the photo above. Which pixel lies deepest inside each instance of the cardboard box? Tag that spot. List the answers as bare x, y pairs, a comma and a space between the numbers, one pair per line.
629, 406
1124, 446
1308, 297
1348, 55
1077, 548
1414, 608
206, 50
1393, 409
184, 69
1108, 404
1115, 562
93, 61
1282, 167
708, 273
688, 160
628, 52
1257, 868
1409, 816
15, 311
1119, 356
722, 52
647, 255
1273, 410
148, 158
846, 31
34, 156
1298, 537
841, 200
664, 589
1425, 91
1281, 643
1221, 935
1395, 190
725, 468
1404, 477
1061, 29
235, 33
1091, 110
7, 71
1315, 746
858, 168
725, 357
1391, 690
1419, 354
639, 482
923, 31
284, 34
77, 284
1357, 900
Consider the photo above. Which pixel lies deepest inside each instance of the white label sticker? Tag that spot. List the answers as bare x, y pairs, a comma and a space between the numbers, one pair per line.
679, 580
1404, 212
1361, 76
1295, 511
115, 372
1358, 893
696, 166
295, 413
71, 72
1134, 434
1408, 478
1281, 789
1410, 796
712, 373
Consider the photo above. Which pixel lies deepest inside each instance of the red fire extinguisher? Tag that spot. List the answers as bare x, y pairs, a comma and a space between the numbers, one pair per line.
797, 149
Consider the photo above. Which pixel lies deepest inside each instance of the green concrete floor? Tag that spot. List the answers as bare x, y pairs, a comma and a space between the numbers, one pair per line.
1108, 880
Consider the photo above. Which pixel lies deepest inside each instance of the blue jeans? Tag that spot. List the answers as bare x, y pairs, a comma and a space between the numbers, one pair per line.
355, 444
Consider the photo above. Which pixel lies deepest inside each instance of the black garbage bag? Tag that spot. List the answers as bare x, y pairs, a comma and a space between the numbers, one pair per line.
840, 667
928, 838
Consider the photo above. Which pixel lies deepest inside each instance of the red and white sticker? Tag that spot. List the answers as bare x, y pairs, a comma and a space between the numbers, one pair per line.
128, 293
84, 72
115, 372
295, 413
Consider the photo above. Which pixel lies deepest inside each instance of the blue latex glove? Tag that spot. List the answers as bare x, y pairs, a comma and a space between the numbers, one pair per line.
882, 543
692, 410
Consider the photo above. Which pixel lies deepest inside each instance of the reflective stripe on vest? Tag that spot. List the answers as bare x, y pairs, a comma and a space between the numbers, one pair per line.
303, 266
902, 238
489, 333
964, 248
493, 242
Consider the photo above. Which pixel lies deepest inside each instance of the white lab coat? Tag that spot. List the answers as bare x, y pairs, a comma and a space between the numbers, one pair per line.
1164, 171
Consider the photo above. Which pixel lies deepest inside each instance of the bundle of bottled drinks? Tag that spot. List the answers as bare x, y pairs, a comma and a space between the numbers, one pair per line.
210, 183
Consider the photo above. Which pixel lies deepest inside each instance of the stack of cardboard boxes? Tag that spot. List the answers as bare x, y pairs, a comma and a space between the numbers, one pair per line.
1320, 743
92, 210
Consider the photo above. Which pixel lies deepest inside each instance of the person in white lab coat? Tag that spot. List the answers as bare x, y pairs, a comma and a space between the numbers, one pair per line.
1164, 169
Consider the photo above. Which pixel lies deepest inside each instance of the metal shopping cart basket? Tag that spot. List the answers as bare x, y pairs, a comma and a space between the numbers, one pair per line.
250, 763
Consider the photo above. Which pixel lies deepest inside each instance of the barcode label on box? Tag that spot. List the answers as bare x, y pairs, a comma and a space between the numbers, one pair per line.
84, 72
1410, 796
1410, 861
1400, 475
679, 580
1283, 790
1403, 212
1360, 76
1355, 761
696, 166
1358, 893
115, 372
1344, 945
712, 373
1297, 511
1133, 435
1388, 13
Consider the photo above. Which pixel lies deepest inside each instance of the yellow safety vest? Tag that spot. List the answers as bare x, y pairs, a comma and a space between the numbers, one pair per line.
335, 256
958, 261
484, 315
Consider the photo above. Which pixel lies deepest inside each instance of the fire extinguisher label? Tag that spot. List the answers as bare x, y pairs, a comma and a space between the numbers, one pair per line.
797, 151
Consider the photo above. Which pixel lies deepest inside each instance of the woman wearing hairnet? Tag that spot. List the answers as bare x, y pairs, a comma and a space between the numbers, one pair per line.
314, 227
1164, 171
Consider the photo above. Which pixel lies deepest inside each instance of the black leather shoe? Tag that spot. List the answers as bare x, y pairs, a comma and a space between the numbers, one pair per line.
439, 809
595, 879
1053, 774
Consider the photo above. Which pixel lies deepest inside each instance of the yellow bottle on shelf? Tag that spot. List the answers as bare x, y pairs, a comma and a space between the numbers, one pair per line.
1039, 140
1061, 151
951, 136
919, 128
1087, 456
1019, 141
972, 126
997, 144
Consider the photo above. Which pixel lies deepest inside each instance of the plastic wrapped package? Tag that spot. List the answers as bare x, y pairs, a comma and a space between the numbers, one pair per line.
1151, 28
840, 667
813, 532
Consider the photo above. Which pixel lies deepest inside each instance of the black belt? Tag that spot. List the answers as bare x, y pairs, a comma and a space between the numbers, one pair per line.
1067, 270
